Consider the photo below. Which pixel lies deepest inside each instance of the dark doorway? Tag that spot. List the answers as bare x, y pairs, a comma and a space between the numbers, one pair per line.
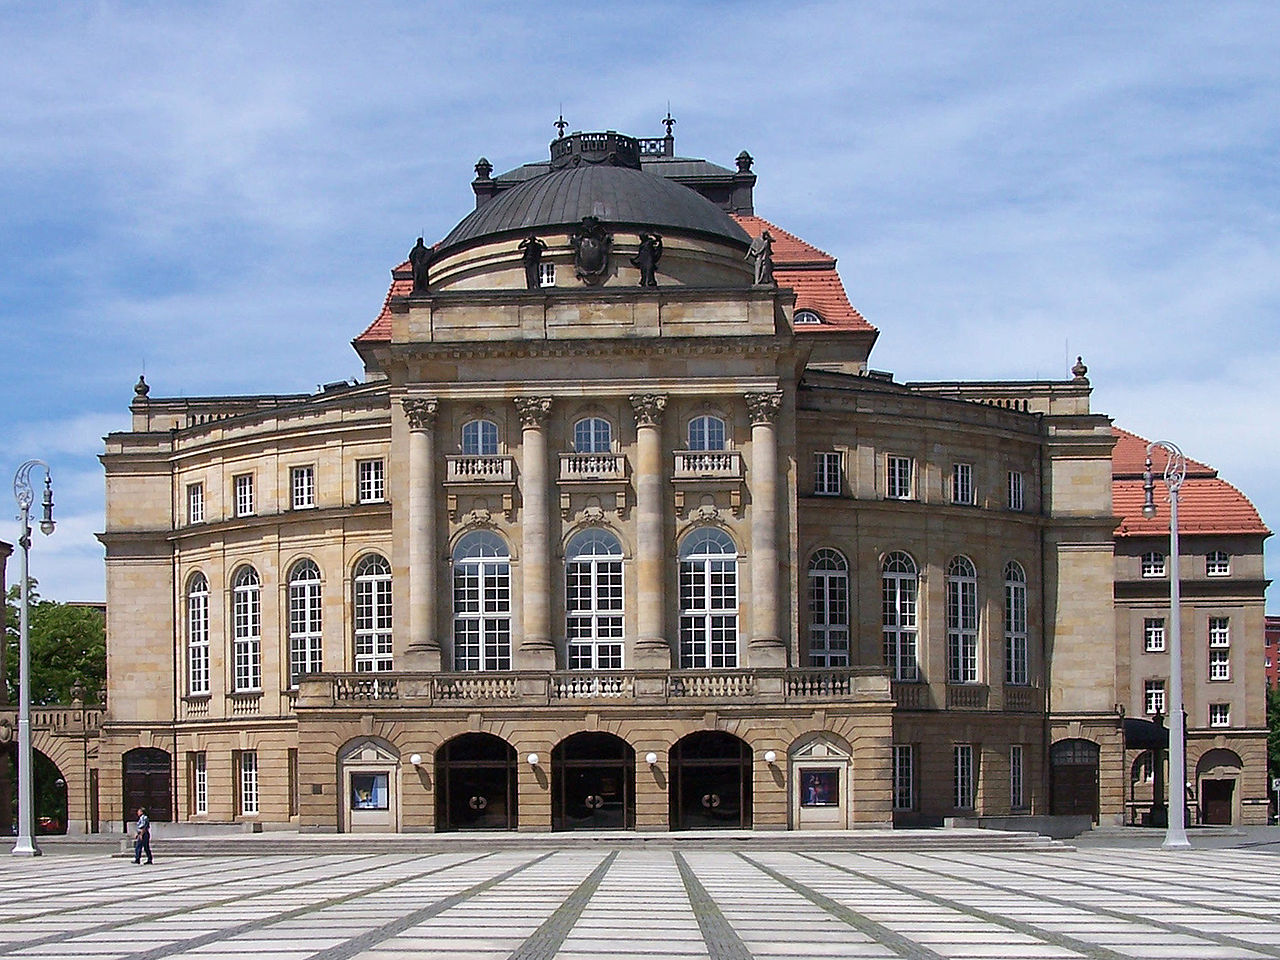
710, 783
476, 784
147, 784
1215, 801
1074, 778
593, 779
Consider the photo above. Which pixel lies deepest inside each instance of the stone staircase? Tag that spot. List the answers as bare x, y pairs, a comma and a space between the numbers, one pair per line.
288, 843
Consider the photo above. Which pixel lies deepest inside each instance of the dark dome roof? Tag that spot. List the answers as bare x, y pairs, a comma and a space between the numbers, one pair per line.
615, 195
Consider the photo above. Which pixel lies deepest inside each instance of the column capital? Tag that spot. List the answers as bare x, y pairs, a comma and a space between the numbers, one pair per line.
763, 407
420, 412
533, 410
649, 408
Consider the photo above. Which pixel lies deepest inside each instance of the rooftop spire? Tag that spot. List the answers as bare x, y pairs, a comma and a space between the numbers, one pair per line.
560, 124
669, 120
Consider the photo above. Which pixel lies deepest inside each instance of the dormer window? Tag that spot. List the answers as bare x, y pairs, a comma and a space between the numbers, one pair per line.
806, 316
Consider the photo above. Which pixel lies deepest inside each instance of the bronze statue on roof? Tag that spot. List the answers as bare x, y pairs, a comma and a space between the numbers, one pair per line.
419, 257
647, 258
531, 250
762, 252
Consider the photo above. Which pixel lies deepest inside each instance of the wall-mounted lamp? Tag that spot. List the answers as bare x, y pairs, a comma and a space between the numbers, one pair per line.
416, 759
770, 756
651, 758
533, 759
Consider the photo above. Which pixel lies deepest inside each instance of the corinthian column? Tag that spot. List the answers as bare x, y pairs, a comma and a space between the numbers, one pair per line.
652, 649
767, 648
537, 652
423, 652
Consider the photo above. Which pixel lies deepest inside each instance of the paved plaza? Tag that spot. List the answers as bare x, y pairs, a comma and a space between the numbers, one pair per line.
605, 903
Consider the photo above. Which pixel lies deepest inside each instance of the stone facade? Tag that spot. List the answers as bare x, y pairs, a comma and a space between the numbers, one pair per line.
610, 555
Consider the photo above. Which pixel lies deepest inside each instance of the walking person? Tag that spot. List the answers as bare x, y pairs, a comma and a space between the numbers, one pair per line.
142, 839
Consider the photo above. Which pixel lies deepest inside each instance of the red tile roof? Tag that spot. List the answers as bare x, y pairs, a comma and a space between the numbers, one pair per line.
380, 329
1207, 504
811, 273
801, 266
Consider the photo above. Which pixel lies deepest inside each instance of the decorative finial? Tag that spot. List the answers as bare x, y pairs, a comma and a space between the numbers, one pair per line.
140, 388
745, 160
560, 125
669, 121
1079, 370
483, 169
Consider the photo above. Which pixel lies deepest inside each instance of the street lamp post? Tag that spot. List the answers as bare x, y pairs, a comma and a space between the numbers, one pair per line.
26, 842
1175, 472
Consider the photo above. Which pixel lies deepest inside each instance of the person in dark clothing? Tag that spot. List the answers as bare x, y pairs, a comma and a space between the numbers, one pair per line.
142, 839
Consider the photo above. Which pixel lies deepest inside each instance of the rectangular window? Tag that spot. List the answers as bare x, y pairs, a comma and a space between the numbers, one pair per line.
1015, 626
248, 782
904, 786
244, 494
964, 777
899, 477
826, 474
1016, 501
199, 784
546, 274
1219, 648
198, 639
962, 483
1016, 798
371, 484
302, 483
1155, 697
195, 503
1217, 564
1153, 634
1219, 714
1153, 564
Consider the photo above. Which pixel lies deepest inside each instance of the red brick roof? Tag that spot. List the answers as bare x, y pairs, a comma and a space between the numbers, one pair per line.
801, 266
1207, 504
811, 273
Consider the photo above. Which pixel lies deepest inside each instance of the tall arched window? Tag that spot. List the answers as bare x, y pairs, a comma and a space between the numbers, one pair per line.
900, 586
481, 603
1015, 623
828, 609
962, 621
305, 612
246, 619
198, 635
592, 435
480, 438
593, 601
706, 433
373, 614
708, 600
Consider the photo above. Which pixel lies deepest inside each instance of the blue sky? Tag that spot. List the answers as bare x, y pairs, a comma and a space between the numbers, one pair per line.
215, 192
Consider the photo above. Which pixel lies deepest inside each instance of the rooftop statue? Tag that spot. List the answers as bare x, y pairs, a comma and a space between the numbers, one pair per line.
419, 256
531, 250
762, 251
647, 258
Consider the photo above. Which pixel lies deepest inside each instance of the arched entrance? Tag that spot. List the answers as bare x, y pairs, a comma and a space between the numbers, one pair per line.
48, 793
1218, 778
710, 782
476, 784
1073, 771
147, 784
593, 779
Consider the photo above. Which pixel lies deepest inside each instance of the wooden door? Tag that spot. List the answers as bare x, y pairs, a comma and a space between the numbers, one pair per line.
1215, 800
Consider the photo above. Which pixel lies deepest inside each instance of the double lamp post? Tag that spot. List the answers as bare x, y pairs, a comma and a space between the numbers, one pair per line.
22, 490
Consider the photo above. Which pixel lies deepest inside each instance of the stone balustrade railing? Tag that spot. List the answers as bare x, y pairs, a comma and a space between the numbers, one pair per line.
479, 469
592, 466
708, 465
65, 719
526, 687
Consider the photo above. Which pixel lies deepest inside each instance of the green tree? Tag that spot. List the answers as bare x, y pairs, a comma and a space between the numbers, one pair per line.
68, 643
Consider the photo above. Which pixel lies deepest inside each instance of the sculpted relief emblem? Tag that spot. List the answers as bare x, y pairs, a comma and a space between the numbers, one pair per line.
591, 246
